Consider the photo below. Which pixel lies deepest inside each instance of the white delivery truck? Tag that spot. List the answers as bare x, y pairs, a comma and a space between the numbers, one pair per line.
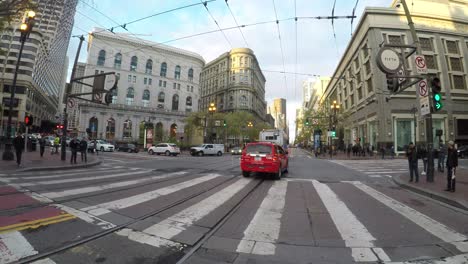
277, 136
207, 149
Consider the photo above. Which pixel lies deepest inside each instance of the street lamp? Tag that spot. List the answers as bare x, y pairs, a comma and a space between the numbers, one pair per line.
332, 127
25, 28
211, 110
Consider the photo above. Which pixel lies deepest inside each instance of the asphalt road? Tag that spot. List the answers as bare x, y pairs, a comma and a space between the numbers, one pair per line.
137, 208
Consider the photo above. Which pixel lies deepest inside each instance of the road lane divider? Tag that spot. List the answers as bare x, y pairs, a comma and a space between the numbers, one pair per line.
33, 224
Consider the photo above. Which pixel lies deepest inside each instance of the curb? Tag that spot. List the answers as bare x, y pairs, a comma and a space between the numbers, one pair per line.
434, 195
68, 167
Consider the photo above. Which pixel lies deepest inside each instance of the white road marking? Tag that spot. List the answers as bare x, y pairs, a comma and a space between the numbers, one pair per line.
353, 232
85, 178
462, 258
85, 217
179, 222
53, 195
44, 261
13, 247
58, 175
439, 230
263, 230
105, 208
143, 238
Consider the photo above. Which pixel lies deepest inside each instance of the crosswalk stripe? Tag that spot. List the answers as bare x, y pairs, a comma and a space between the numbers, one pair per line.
58, 175
69, 192
179, 222
263, 231
14, 246
353, 232
84, 178
439, 230
105, 208
85, 217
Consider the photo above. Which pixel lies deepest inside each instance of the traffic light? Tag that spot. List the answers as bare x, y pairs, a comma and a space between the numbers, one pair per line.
109, 95
28, 120
392, 84
307, 122
60, 126
333, 133
436, 96
224, 123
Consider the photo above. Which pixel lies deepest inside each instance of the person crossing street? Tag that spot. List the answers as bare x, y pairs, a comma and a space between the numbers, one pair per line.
74, 145
83, 150
452, 164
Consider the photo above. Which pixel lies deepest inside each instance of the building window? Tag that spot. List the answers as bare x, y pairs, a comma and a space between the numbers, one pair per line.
356, 63
163, 69
129, 78
395, 40
127, 129
118, 61
426, 44
431, 62
370, 88
164, 83
145, 80
243, 100
133, 63
101, 58
365, 51
114, 96
452, 47
178, 86
177, 72
188, 101
149, 67
150, 81
174, 85
146, 98
191, 89
459, 82
134, 79
368, 68
352, 100
160, 83
161, 97
175, 102
359, 90
130, 96
455, 64
190, 74
188, 88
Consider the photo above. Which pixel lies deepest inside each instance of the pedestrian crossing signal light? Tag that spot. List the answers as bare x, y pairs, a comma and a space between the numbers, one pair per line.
224, 123
436, 96
393, 84
28, 120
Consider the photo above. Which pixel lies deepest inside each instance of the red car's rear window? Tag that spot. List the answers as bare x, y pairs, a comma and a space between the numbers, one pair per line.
259, 149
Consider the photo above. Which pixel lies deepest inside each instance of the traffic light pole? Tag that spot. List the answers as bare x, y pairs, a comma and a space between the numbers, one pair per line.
429, 134
63, 155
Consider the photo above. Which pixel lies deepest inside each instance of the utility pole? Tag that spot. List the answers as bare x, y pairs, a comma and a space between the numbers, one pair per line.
67, 92
429, 134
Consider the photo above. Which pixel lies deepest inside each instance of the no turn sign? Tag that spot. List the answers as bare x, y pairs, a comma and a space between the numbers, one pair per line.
71, 103
423, 88
420, 62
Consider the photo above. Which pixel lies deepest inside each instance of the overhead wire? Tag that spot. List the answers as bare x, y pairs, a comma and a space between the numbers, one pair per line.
216, 22
295, 64
281, 47
333, 27
352, 19
235, 20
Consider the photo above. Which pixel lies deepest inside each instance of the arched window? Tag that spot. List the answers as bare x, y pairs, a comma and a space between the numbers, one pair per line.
114, 96
110, 128
146, 98
177, 72
101, 58
133, 63
118, 61
127, 129
163, 69
93, 127
243, 100
159, 132
149, 67
173, 132
190, 74
130, 96
188, 101
161, 97
175, 102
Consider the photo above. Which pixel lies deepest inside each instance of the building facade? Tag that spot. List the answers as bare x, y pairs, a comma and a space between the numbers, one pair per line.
158, 85
43, 62
278, 110
234, 82
369, 114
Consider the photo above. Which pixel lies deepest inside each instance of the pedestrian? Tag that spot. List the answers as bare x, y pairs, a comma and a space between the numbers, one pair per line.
422, 153
412, 156
18, 143
382, 150
56, 144
95, 150
42, 143
452, 164
441, 157
392, 152
83, 149
74, 145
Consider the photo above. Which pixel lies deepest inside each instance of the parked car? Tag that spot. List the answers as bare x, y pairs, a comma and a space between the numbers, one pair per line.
264, 157
462, 151
49, 140
207, 149
236, 151
127, 148
102, 145
169, 149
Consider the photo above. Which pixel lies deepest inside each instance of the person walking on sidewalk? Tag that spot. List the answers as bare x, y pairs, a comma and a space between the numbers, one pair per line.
412, 156
42, 143
74, 145
452, 164
56, 144
83, 150
441, 157
18, 143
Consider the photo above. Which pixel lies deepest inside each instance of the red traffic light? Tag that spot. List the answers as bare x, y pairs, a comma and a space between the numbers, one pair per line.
59, 126
28, 120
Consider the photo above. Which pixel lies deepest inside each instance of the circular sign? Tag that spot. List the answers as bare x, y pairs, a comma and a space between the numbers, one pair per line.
388, 60
71, 103
420, 62
422, 88
99, 96
110, 82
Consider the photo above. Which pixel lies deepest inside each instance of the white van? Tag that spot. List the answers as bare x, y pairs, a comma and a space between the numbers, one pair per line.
207, 149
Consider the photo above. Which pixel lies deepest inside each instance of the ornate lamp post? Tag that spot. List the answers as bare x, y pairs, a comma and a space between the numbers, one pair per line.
211, 110
25, 28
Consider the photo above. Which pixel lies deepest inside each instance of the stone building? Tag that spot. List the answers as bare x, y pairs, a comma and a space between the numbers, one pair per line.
158, 85
361, 88
234, 82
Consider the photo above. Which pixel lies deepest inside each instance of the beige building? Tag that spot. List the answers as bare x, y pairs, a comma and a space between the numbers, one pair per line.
361, 88
234, 82
278, 110
316, 97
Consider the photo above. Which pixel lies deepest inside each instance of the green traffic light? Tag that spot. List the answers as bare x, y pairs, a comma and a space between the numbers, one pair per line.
438, 105
437, 97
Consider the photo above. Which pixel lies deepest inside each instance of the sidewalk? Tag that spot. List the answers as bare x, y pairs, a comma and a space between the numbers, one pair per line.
436, 189
32, 161
344, 156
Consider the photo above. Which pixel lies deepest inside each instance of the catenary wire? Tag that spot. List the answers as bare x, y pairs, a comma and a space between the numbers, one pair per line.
281, 47
235, 20
352, 19
216, 22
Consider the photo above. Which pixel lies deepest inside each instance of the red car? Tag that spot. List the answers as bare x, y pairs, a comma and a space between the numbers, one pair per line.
264, 157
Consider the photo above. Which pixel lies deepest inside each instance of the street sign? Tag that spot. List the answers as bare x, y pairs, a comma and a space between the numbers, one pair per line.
98, 97
424, 104
420, 62
71, 103
388, 60
110, 82
217, 123
423, 89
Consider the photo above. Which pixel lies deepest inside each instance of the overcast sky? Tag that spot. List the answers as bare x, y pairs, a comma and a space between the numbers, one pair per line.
318, 52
